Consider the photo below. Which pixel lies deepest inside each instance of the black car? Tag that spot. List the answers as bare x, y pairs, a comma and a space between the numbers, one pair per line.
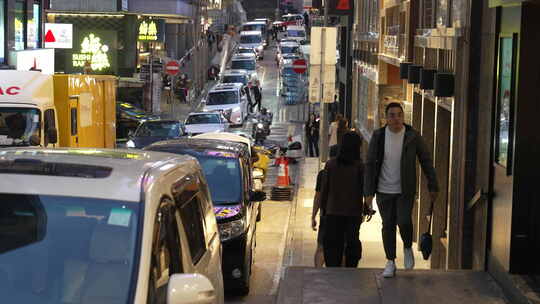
153, 131
227, 169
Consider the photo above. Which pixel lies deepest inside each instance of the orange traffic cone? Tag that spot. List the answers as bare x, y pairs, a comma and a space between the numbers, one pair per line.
283, 179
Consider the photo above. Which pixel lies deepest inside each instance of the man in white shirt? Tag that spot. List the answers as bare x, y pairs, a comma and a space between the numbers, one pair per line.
391, 175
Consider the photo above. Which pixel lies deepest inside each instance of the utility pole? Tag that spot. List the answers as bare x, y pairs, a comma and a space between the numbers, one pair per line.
323, 135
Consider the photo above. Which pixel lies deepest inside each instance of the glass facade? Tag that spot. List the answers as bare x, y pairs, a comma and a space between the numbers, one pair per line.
32, 35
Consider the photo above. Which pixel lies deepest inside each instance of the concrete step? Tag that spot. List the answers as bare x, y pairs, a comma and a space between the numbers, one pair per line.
367, 286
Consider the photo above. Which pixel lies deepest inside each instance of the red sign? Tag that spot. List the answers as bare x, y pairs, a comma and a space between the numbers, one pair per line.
10, 91
49, 37
299, 66
172, 68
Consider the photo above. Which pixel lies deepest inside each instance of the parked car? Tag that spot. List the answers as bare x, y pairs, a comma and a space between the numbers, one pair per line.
229, 99
247, 50
198, 123
226, 166
106, 226
289, 47
245, 62
260, 26
254, 40
128, 118
292, 19
297, 33
235, 76
155, 130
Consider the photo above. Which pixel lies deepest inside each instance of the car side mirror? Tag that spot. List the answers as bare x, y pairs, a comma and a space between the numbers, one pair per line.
52, 135
257, 196
191, 288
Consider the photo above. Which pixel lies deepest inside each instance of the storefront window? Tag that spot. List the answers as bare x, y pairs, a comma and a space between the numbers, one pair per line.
2, 29
505, 96
33, 28
19, 25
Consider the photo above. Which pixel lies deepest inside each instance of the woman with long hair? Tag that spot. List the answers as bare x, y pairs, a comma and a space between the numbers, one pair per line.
342, 203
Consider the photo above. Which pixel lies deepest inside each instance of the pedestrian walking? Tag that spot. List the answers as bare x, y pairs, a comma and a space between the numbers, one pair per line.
312, 135
337, 128
319, 252
211, 39
391, 176
257, 96
342, 204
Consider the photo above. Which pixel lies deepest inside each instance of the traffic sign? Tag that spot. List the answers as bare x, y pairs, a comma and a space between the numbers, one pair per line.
299, 66
172, 68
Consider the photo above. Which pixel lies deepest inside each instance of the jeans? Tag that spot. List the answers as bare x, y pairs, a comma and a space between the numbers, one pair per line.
342, 235
313, 146
396, 210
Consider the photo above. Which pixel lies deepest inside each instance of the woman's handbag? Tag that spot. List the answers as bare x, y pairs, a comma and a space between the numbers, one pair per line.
426, 241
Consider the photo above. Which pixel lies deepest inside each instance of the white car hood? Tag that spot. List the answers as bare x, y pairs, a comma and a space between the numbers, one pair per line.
251, 45
204, 128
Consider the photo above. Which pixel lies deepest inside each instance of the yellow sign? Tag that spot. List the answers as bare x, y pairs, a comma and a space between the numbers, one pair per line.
148, 31
93, 52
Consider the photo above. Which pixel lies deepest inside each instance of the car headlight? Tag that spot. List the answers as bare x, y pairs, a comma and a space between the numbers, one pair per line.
260, 125
231, 229
260, 48
236, 109
130, 144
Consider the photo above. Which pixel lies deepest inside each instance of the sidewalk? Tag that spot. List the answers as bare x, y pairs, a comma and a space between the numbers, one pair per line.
302, 283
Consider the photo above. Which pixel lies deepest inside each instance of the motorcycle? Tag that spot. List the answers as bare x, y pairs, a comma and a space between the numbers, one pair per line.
261, 129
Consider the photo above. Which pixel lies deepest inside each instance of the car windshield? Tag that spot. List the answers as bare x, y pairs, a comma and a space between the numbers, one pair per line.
289, 49
243, 64
222, 98
254, 27
296, 33
250, 39
17, 125
159, 129
234, 79
245, 51
58, 249
203, 119
220, 169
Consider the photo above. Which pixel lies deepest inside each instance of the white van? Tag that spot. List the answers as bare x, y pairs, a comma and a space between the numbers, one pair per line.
297, 33
254, 40
106, 226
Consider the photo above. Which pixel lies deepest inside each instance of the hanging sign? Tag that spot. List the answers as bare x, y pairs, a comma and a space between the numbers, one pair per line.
148, 30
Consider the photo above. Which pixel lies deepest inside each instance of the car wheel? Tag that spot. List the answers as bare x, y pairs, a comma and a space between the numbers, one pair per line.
244, 290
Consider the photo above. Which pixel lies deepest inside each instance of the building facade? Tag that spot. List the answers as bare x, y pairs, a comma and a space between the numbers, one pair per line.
466, 73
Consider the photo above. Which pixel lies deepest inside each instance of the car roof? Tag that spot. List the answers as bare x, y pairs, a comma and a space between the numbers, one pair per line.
130, 170
203, 113
227, 87
199, 144
289, 43
246, 33
224, 136
254, 22
244, 56
162, 120
296, 27
235, 72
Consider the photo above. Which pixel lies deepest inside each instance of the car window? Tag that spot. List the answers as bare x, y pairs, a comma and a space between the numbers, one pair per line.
166, 256
250, 39
296, 33
243, 64
222, 98
189, 207
59, 249
217, 170
289, 49
160, 129
246, 51
203, 119
235, 79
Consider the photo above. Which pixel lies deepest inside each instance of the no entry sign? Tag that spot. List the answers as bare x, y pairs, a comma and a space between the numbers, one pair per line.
172, 68
299, 66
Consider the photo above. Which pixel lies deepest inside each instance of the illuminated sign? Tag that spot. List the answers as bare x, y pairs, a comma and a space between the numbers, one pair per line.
148, 31
30, 60
93, 53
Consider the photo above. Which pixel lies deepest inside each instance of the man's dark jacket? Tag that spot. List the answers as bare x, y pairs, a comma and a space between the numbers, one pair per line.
413, 146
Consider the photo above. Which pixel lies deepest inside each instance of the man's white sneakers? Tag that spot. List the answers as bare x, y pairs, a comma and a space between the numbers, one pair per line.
389, 270
408, 258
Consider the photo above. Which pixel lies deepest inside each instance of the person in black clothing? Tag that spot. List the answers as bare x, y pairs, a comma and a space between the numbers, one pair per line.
342, 204
312, 135
257, 95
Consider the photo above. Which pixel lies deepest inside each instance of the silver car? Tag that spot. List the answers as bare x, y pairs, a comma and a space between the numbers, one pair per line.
204, 122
